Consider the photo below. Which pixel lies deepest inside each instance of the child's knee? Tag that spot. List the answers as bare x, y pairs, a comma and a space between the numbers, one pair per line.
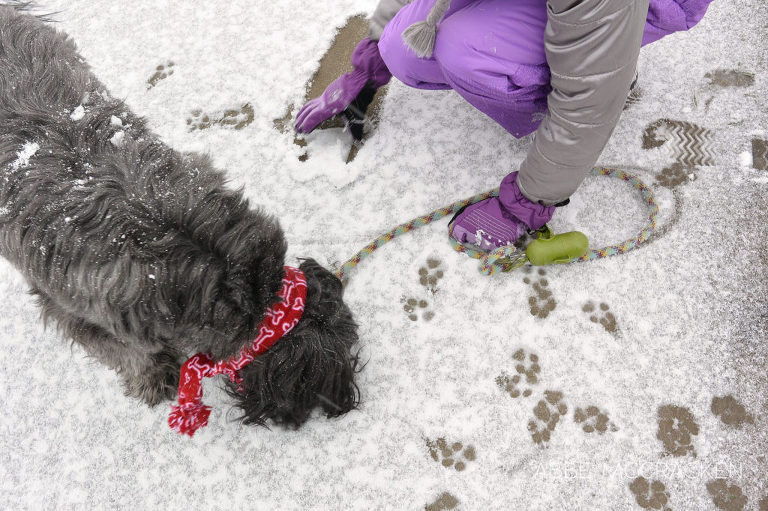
400, 60
454, 55
406, 66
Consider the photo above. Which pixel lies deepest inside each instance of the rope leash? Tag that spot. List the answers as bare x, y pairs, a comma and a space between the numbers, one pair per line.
508, 258
645, 233
410, 226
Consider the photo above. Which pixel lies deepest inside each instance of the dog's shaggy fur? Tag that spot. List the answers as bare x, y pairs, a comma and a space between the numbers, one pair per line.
142, 255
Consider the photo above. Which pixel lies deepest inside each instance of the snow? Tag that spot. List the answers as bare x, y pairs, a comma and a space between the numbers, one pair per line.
27, 151
326, 148
745, 159
689, 306
78, 113
118, 138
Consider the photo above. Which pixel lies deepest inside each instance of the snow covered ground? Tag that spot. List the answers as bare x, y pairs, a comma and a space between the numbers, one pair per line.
654, 362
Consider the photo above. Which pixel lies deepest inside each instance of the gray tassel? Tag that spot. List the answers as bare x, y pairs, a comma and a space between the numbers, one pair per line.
420, 37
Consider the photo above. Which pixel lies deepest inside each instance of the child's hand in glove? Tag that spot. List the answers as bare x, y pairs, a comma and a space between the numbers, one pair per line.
369, 74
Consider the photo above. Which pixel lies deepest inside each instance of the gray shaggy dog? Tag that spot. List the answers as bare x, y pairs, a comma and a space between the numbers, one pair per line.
141, 254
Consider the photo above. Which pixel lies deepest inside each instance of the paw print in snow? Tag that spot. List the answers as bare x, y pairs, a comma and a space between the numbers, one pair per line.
199, 121
593, 419
530, 371
413, 307
731, 412
730, 78
430, 274
237, 119
604, 316
676, 175
542, 302
509, 384
726, 497
162, 72
230, 119
547, 414
454, 455
676, 430
650, 495
445, 501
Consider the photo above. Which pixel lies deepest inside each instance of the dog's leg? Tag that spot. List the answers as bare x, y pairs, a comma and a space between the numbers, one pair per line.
147, 374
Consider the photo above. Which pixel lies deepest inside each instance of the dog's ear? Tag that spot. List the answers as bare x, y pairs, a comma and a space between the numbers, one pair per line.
227, 292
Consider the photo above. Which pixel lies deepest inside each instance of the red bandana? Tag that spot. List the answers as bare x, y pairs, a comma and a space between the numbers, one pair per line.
190, 414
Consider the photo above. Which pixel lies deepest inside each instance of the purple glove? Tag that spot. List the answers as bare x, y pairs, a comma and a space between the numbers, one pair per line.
499, 221
369, 68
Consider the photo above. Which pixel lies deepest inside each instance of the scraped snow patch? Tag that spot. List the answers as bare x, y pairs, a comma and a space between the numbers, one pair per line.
328, 151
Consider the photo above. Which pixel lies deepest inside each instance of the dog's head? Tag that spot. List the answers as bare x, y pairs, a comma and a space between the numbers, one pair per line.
311, 367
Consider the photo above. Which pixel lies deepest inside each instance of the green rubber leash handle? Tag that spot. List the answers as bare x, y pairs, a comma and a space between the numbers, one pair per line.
559, 249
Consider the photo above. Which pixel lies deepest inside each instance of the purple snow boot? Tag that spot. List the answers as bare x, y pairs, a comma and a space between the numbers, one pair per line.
369, 72
499, 221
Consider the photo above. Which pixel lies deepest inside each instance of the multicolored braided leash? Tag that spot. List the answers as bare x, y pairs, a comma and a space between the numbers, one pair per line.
508, 258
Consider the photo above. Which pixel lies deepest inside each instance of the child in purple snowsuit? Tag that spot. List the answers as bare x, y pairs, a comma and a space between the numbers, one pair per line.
562, 68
